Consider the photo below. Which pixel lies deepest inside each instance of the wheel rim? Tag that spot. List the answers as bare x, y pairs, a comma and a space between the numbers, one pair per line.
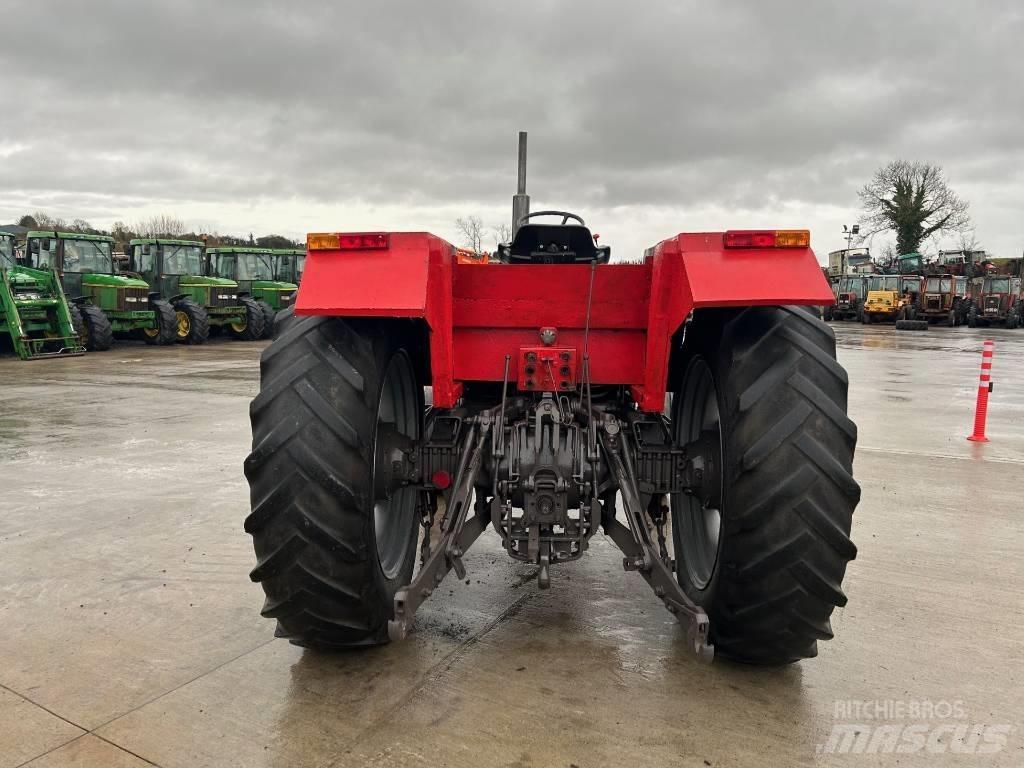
395, 517
184, 324
239, 327
152, 332
696, 521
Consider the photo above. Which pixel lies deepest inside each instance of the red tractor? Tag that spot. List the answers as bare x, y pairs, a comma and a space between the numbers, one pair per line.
995, 299
548, 419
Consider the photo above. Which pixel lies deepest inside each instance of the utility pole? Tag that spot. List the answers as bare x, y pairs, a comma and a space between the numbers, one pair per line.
521, 200
850, 232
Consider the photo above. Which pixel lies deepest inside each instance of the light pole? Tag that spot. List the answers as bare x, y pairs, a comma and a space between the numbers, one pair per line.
849, 232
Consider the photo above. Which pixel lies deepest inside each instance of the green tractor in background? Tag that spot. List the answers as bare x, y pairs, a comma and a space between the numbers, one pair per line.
103, 303
174, 271
289, 264
255, 272
33, 310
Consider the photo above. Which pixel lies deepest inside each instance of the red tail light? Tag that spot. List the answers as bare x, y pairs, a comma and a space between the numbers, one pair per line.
356, 241
767, 238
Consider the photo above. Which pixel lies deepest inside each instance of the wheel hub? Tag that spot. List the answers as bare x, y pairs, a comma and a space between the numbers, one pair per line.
697, 513
398, 424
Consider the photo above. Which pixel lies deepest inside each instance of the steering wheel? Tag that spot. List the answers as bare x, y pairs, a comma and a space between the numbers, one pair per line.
564, 214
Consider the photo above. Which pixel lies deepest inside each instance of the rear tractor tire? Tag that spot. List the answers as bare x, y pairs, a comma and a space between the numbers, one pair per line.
192, 324
268, 318
765, 550
972, 316
166, 325
96, 333
252, 328
330, 556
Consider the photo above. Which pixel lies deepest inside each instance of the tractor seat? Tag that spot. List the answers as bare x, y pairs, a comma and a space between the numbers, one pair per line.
554, 244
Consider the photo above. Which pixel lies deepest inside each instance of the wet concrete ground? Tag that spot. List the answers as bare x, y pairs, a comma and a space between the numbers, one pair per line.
130, 633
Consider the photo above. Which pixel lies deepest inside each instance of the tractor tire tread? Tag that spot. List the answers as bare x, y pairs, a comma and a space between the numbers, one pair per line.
101, 334
312, 435
789, 483
199, 322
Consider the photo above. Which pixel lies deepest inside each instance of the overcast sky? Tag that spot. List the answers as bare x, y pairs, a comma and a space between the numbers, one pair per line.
648, 118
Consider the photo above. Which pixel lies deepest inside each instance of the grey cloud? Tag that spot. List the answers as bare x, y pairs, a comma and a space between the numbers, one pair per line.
750, 105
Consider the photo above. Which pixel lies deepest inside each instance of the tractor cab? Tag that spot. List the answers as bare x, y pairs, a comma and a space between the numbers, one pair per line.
850, 296
563, 243
289, 264
6, 251
940, 299
34, 315
995, 299
910, 287
939, 293
254, 270
108, 303
176, 271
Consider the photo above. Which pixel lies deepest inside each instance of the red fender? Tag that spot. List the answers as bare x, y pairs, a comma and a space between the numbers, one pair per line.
478, 314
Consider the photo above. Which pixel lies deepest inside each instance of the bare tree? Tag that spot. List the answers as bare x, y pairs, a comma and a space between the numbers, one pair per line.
912, 200
502, 233
163, 225
46, 221
472, 230
968, 240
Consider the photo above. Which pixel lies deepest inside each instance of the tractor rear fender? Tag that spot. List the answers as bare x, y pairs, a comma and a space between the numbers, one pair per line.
478, 314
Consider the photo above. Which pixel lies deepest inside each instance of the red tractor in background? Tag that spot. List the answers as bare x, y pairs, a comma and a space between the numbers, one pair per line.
549, 368
996, 299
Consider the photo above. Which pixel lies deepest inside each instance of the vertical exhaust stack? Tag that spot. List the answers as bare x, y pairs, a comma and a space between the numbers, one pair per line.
521, 200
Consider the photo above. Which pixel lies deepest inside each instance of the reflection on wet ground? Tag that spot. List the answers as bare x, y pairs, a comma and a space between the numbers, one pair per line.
132, 633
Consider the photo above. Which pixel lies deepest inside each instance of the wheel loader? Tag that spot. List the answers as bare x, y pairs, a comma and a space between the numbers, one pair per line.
175, 273
548, 369
883, 302
255, 272
104, 304
34, 314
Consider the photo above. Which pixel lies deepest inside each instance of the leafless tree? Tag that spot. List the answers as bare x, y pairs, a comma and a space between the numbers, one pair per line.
502, 233
912, 200
968, 240
162, 225
472, 230
46, 221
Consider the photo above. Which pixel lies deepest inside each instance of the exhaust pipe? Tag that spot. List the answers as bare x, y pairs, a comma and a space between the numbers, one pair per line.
521, 200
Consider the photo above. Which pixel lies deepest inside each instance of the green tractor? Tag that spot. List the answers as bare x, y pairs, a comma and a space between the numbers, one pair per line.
289, 264
174, 270
33, 310
104, 303
255, 271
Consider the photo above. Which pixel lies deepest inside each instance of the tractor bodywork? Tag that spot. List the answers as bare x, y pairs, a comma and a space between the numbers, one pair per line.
478, 316
33, 311
549, 370
86, 267
175, 271
254, 270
